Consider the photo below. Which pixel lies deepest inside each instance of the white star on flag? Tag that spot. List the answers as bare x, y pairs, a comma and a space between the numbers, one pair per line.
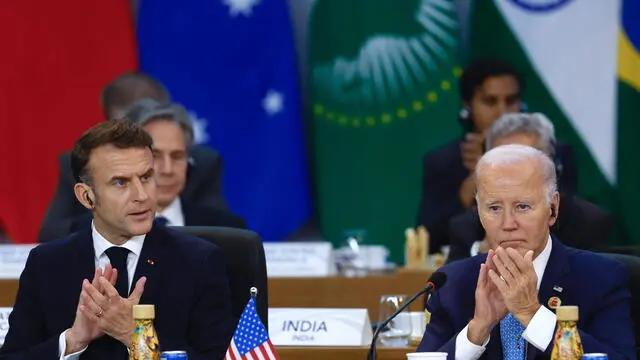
199, 128
244, 7
273, 102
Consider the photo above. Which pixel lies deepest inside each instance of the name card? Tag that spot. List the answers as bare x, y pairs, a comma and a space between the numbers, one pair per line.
312, 259
13, 259
4, 322
319, 327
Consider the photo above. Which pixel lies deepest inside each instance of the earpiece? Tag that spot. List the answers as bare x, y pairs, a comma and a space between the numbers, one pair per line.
86, 197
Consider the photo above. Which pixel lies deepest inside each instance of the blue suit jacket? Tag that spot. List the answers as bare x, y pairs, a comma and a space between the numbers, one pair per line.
597, 285
186, 281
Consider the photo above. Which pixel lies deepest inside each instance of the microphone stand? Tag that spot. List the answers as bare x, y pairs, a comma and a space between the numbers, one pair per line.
372, 349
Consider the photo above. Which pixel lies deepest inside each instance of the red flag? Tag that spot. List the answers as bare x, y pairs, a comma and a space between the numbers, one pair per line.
56, 57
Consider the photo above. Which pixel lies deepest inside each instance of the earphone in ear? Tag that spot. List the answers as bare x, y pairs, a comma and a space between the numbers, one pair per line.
86, 197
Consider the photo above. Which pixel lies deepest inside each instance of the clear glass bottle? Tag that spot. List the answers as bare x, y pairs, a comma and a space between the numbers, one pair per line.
144, 342
566, 342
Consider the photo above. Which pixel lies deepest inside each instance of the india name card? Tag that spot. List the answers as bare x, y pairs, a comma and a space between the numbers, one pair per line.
312, 259
319, 327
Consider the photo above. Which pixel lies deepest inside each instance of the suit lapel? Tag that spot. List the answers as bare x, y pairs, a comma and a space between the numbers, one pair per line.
85, 252
553, 283
190, 213
151, 262
494, 347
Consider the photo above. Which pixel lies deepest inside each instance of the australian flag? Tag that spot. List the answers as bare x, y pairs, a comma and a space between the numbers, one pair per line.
232, 64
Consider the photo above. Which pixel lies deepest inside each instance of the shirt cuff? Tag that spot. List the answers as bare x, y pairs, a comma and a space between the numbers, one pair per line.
62, 348
465, 349
540, 331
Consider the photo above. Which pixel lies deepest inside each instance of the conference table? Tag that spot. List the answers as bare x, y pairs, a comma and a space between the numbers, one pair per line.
340, 353
322, 292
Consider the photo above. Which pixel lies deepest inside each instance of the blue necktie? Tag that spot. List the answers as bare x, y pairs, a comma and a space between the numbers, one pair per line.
162, 220
513, 345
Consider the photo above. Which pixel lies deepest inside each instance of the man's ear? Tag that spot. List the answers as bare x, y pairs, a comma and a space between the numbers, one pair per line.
554, 209
85, 195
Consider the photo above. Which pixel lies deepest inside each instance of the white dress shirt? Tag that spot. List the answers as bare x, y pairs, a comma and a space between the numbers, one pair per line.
100, 245
173, 213
538, 333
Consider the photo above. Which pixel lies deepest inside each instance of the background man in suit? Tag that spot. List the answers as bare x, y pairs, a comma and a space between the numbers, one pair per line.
506, 293
582, 225
489, 88
65, 316
203, 184
171, 129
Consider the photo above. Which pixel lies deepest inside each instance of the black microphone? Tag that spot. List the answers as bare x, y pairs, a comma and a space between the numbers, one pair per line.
437, 280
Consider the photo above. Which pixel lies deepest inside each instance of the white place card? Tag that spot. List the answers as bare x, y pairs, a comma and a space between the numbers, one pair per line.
13, 259
4, 322
319, 327
304, 259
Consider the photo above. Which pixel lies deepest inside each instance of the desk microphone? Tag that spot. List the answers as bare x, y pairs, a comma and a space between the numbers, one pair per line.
437, 280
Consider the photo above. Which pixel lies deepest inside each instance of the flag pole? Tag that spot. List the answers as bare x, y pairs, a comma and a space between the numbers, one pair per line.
253, 291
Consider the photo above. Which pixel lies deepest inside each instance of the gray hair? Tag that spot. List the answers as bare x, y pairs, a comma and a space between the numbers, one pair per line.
144, 111
513, 154
519, 123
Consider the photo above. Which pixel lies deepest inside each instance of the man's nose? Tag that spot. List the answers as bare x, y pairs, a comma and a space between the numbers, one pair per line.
166, 165
141, 193
509, 222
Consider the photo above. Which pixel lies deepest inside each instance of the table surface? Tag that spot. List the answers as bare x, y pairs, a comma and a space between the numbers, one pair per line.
339, 353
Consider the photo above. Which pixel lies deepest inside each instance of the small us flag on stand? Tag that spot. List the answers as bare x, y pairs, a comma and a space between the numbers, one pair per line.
251, 340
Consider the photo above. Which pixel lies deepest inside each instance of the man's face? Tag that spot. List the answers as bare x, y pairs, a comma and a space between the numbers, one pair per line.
496, 96
512, 206
170, 159
124, 191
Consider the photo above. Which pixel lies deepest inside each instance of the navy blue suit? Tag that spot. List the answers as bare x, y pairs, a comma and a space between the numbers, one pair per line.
597, 285
186, 281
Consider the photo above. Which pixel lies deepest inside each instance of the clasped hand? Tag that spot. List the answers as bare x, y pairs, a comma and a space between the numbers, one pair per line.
506, 283
101, 310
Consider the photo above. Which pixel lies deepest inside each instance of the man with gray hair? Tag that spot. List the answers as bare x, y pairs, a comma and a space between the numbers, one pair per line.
500, 305
582, 225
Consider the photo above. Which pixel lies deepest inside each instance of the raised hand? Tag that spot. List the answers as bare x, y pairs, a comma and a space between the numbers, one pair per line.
490, 307
516, 279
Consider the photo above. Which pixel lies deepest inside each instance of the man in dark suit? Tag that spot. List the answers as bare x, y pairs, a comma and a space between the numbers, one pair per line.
489, 88
60, 313
498, 306
204, 174
580, 224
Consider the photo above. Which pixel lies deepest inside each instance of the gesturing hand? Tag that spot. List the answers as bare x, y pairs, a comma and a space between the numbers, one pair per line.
471, 150
112, 313
490, 307
84, 329
516, 279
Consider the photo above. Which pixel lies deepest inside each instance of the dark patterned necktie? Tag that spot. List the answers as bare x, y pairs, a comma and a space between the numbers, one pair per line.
118, 257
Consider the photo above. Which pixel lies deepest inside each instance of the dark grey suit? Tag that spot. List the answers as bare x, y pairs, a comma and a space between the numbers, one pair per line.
202, 188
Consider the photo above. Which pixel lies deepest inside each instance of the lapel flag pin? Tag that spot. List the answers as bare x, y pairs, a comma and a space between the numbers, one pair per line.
150, 262
554, 302
557, 288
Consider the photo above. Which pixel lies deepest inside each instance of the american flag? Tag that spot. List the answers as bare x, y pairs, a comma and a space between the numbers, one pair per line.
251, 340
